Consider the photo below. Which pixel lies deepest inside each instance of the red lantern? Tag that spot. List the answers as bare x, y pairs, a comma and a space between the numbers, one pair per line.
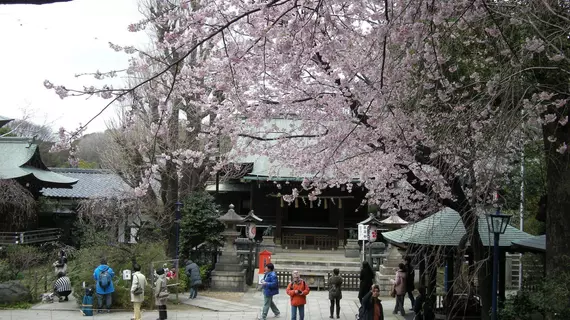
250, 230
372, 235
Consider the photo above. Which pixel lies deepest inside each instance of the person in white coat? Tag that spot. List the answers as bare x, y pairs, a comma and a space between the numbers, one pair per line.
137, 290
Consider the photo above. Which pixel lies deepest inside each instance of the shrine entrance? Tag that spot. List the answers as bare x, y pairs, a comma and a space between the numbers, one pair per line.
310, 225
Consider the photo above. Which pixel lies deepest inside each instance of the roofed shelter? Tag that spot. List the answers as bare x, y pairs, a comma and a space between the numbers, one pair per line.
92, 184
445, 230
20, 161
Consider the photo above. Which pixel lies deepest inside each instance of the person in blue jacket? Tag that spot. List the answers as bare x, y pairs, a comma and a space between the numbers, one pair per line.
103, 276
270, 288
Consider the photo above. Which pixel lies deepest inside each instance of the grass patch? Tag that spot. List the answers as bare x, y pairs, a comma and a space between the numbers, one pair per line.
16, 306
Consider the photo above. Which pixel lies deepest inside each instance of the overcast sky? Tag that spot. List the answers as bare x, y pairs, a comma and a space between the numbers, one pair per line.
55, 42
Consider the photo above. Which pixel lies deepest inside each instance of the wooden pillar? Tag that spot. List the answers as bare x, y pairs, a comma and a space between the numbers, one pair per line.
450, 262
251, 194
340, 217
432, 277
502, 275
281, 205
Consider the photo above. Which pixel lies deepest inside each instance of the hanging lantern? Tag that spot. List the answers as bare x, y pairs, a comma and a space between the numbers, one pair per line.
250, 229
250, 225
372, 233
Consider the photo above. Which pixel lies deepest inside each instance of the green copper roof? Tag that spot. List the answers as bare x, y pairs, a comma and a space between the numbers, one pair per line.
20, 157
4, 121
445, 228
534, 244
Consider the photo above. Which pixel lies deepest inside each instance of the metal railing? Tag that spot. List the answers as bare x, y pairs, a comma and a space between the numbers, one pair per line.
30, 237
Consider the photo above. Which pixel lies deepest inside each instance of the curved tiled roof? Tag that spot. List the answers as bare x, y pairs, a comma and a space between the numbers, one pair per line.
91, 184
20, 158
4, 121
445, 228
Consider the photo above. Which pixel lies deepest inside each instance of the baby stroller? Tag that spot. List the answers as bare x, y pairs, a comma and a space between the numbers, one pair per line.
87, 304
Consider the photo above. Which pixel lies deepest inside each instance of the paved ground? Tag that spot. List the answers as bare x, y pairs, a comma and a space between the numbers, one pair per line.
248, 308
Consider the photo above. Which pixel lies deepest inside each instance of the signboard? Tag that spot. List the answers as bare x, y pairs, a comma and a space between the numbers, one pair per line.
250, 230
372, 233
126, 274
363, 232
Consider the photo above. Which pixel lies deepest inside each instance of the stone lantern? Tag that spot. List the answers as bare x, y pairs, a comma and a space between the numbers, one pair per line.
229, 274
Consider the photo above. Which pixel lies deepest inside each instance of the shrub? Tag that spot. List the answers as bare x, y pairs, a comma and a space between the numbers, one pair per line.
119, 258
552, 298
199, 223
19, 258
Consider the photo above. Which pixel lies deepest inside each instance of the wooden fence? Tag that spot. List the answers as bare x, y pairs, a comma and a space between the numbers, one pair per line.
30, 237
350, 281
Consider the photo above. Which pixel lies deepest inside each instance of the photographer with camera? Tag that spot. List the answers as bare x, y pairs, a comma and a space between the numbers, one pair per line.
298, 291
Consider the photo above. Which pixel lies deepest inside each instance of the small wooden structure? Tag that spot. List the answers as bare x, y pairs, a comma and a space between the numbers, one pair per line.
433, 242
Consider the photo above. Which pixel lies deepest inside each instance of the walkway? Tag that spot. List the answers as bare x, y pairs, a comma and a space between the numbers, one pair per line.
212, 309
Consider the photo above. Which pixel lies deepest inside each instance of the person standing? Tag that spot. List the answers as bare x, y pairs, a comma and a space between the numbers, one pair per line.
400, 287
335, 292
62, 287
161, 293
372, 305
298, 291
410, 281
137, 290
366, 280
422, 307
270, 287
61, 264
103, 276
194, 278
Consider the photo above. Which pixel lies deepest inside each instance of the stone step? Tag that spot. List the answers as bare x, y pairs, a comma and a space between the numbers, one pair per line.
301, 262
323, 271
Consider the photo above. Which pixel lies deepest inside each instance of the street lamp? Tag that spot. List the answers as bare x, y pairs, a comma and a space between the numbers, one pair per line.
497, 224
178, 205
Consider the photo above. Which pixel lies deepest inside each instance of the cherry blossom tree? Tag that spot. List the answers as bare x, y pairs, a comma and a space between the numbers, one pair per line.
423, 102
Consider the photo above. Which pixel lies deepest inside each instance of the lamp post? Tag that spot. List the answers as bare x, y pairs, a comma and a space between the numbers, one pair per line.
178, 205
497, 224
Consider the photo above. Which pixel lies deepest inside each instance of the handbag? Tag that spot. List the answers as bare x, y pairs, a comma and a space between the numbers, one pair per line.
393, 292
138, 290
163, 294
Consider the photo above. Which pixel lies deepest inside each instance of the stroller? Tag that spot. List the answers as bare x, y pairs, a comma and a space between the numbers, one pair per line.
87, 304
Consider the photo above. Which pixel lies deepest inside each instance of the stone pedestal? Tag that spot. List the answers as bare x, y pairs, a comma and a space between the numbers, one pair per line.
388, 270
268, 244
229, 273
352, 249
391, 262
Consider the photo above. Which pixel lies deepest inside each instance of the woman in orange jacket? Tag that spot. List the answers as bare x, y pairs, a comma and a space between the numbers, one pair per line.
298, 291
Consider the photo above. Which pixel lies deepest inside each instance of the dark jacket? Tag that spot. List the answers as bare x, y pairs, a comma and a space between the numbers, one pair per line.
410, 275
271, 286
366, 280
368, 307
193, 273
423, 312
335, 290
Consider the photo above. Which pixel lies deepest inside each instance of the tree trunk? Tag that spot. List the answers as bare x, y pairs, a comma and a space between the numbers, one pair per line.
484, 274
172, 178
558, 202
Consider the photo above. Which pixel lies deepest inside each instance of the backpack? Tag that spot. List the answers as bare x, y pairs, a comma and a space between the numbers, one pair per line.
104, 278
